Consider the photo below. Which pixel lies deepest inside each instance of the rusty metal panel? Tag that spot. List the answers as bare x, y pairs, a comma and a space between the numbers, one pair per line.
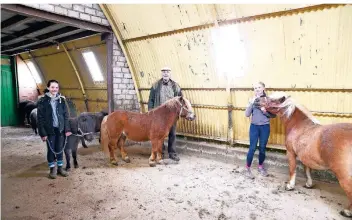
135, 21
187, 54
309, 49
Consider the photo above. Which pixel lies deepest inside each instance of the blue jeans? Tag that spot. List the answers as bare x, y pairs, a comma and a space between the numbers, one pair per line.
56, 143
262, 133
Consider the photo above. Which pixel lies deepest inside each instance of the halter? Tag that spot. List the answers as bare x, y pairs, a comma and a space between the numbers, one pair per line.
182, 108
65, 143
82, 134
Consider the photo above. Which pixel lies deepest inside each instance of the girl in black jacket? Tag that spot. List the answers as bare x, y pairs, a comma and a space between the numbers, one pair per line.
53, 126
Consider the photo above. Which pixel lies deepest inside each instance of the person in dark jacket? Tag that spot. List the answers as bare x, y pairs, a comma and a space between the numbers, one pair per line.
259, 129
53, 126
161, 91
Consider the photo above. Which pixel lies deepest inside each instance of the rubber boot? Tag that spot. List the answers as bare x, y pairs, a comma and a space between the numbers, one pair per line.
61, 171
52, 174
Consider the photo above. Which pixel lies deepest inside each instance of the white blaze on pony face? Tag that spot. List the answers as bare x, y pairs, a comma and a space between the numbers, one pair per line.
186, 109
286, 106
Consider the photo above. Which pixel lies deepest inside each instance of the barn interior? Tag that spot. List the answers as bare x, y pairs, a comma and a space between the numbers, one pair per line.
106, 58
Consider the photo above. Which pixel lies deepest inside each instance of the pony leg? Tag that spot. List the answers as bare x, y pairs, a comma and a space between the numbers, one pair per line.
74, 155
153, 154
160, 152
111, 146
67, 155
309, 183
343, 174
292, 165
120, 144
346, 185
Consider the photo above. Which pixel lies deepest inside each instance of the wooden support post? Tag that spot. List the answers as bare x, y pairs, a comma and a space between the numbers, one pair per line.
230, 120
108, 37
77, 75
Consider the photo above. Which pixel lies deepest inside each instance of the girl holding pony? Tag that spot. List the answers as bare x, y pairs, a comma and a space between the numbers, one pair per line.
53, 125
259, 129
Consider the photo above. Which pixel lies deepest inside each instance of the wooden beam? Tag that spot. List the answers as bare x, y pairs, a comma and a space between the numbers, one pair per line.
77, 75
109, 45
56, 18
13, 37
15, 21
117, 33
47, 37
54, 42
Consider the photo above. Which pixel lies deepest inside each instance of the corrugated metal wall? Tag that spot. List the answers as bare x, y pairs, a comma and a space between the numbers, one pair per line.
54, 64
304, 50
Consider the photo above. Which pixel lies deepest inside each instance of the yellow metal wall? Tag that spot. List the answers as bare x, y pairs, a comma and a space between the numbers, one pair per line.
311, 50
55, 64
304, 50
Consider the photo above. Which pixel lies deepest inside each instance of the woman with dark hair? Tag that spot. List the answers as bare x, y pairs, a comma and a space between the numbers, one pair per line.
53, 126
259, 129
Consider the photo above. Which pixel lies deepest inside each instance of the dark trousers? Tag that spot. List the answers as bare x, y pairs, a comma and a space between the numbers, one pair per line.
56, 143
172, 141
262, 133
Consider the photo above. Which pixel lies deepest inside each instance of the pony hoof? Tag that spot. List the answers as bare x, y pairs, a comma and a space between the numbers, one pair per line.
76, 166
288, 188
152, 163
114, 162
161, 162
308, 186
127, 160
346, 213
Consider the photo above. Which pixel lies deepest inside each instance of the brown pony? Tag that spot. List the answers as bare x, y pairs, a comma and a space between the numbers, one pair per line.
152, 126
317, 146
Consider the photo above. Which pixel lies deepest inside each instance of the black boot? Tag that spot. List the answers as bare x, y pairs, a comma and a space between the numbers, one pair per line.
61, 171
174, 157
52, 174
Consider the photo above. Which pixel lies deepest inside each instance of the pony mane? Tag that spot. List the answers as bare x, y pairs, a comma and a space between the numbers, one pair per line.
290, 106
172, 103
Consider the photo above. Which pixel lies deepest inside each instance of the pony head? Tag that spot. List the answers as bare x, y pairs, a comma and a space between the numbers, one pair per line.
277, 103
186, 110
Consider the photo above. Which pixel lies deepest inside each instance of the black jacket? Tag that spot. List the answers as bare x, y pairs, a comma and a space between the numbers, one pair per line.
154, 95
45, 117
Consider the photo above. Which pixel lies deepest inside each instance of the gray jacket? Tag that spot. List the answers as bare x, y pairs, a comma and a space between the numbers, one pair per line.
258, 117
154, 95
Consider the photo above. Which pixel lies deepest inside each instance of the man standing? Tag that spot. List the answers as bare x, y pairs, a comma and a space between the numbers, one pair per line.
161, 91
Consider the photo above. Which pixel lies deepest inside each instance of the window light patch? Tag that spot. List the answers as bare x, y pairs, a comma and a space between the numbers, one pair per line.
93, 66
230, 52
34, 72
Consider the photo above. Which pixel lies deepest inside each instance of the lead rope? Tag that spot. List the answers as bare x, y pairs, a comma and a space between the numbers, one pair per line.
48, 141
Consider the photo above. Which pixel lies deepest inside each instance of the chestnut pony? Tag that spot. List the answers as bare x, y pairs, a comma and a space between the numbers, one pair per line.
152, 126
317, 146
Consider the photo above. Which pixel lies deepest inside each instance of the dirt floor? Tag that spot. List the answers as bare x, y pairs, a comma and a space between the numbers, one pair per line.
195, 188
